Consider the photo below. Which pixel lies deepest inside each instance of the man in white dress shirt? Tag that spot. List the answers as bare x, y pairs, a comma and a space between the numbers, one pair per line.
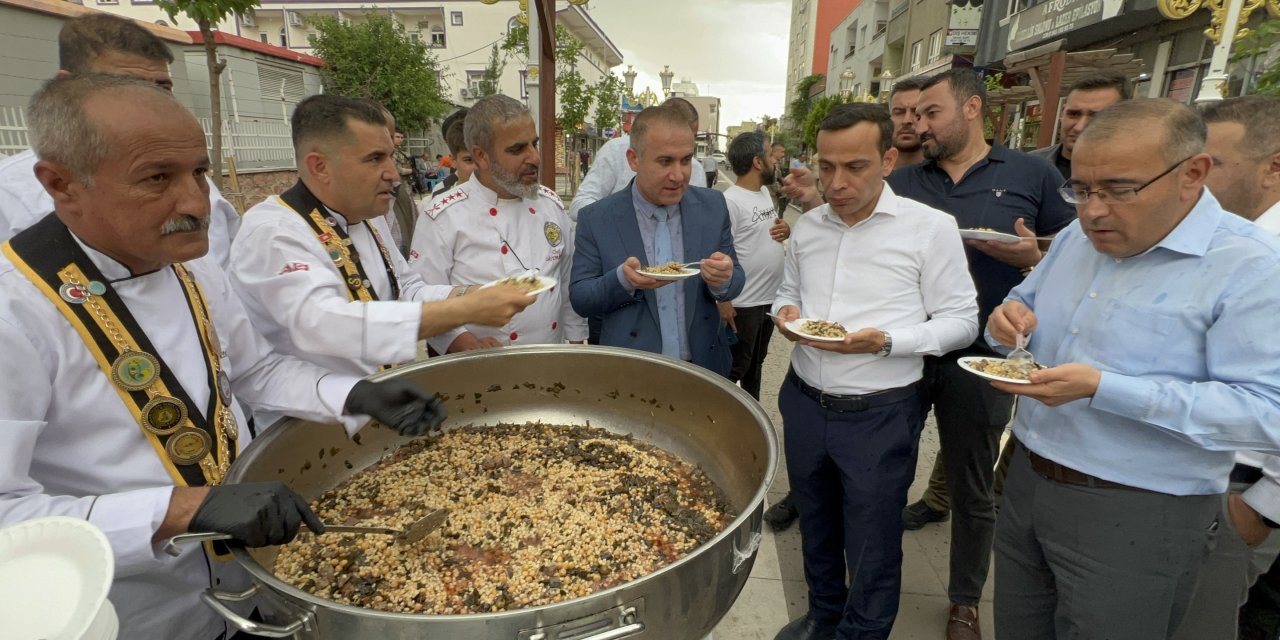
500, 224
1244, 142
102, 43
123, 354
315, 266
611, 172
892, 271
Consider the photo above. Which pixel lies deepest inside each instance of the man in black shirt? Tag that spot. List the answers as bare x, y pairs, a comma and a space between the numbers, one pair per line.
984, 185
1087, 97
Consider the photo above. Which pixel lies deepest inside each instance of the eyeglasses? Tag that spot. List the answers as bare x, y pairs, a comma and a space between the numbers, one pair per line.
1080, 195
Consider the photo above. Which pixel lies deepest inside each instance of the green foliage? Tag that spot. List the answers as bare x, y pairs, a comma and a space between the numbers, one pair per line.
568, 48
575, 100
492, 79
377, 59
206, 11
608, 97
1261, 42
994, 81
817, 112
798, 111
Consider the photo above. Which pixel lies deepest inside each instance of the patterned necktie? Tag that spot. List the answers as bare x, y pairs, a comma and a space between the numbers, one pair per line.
668, 320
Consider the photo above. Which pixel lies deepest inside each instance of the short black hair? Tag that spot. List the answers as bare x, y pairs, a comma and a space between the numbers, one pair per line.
744, 149
651, 116
88, 36
1260, 117
964, 83
450, 119
325, 115
778, 144
399, 131
455, 137
684, 107
1105, 80
914, 83
844, 116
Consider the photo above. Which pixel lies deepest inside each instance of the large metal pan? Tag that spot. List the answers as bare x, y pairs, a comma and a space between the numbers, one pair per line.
684, 409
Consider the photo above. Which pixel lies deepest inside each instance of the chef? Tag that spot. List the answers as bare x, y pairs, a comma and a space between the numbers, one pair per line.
501, 223
316, 268
123, 353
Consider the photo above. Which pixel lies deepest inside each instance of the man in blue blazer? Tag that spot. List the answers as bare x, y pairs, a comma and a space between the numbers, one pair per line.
659, 218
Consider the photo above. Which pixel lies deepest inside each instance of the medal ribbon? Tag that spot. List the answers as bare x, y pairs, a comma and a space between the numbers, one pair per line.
338, 244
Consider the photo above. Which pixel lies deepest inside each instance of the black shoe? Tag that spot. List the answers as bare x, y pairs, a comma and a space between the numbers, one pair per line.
917, 514
781, 516
807, 628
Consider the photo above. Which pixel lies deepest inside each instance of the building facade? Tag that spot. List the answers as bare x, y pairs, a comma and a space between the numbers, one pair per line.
809, 45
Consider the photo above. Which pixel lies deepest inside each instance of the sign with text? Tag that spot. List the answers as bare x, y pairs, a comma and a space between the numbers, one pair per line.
966, 19
1055, 18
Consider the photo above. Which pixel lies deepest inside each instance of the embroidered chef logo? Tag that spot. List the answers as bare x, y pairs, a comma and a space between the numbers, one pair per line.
552, 231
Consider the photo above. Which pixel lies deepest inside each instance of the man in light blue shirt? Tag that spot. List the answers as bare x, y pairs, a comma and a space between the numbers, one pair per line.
1153, 313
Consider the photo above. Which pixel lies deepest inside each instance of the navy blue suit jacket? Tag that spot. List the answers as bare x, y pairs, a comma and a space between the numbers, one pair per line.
608, 234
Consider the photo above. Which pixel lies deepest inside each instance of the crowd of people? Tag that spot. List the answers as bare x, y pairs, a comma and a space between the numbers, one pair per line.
151, 332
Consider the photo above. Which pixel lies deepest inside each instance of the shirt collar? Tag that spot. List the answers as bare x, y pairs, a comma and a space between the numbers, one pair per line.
1193, 235
646, 208
1270, 219
111, 269
998, 153
484, 194
887, 203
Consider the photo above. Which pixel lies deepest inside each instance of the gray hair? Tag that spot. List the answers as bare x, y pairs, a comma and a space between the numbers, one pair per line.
485, 115
1185, 131
62, 131
1260, 117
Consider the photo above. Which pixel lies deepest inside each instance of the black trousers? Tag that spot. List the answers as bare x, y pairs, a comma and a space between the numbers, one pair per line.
754, 331
1260, 615
850, 471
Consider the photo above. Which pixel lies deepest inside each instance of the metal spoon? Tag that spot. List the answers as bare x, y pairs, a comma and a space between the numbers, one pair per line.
416, 531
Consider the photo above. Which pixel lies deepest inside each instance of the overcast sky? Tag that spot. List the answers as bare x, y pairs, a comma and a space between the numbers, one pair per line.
735, 50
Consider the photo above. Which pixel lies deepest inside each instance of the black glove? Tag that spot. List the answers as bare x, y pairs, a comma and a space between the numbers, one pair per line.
257, 514
399, 404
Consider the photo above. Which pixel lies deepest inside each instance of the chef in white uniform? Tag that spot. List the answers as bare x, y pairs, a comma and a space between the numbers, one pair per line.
316, 268
500, 223
103, 43
123, 353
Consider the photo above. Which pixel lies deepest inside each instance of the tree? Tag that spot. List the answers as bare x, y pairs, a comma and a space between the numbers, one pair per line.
608, 97
492, 79
798, 110
1260, 42
572, 89
206, 14
376, 59
769, 125
814, 116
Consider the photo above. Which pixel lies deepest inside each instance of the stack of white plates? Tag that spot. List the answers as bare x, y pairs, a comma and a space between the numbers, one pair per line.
55, 574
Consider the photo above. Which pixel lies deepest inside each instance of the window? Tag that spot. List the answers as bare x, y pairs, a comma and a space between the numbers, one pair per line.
524, 84
437, 36
881, 25
264, 38
415, 36
851, 39
108, 1
474, 80
284, 37
915, 55
935, 45
311, 38
455, 18
1016, 6
280, 84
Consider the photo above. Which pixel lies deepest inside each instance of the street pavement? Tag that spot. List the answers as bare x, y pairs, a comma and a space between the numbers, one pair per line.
775, 593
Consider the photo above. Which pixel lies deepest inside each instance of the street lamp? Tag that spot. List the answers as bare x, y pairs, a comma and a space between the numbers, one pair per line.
630, 75
666, 76
846, 84
886, 84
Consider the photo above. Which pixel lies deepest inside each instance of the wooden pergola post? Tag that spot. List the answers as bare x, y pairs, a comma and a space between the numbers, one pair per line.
1052, 92
546, 17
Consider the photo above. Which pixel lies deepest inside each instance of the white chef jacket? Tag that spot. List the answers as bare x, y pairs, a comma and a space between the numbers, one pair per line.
460, 240
902, 270
611, 173
24, 202
1264, 495
70, 447
298, 299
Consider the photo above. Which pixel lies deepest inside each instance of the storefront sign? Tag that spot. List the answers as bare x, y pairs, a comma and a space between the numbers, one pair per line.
966, 19
1055, 18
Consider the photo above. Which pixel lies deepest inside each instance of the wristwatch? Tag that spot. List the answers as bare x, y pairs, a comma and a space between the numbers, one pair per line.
888, 345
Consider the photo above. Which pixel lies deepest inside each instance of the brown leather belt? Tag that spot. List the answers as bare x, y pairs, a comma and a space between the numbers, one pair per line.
1050, 470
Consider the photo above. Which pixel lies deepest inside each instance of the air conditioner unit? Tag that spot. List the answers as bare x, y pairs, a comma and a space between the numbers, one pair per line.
423, 24
295, 19
466, 93
247, 20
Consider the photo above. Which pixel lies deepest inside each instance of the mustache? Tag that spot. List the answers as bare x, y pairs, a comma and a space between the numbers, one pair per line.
183, 223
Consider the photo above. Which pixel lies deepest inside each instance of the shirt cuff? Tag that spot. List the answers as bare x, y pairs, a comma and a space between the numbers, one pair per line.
626, 284
391, 331
1121, 395
1264, 497
333, 390
441, 341
129, 520
434, 293
905, 342
720, 291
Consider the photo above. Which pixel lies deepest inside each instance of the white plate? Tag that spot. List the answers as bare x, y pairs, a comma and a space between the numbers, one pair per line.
795, 327
54, 577
983, 234
670, 277
544, 284
965, 364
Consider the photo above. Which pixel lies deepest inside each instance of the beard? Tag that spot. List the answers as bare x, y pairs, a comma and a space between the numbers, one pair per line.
510, 183
768, 175
942, 148
183, 223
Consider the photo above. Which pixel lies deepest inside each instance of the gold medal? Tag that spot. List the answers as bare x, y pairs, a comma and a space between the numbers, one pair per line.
228, 422
224, 388
188, 446
214, 343
163, 415
135, 370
